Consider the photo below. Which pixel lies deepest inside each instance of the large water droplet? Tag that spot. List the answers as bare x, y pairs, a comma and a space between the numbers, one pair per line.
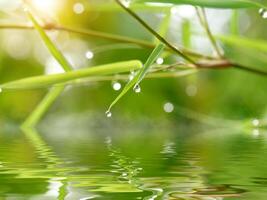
263, 13
108, 114
137, 89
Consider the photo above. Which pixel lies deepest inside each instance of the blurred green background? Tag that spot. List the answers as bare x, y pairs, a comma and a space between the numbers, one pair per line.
228, 93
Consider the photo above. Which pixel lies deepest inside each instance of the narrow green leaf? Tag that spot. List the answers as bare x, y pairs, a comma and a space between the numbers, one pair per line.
49, 80
140, 75
244, 51
151, 59
163, 27
235, 22
43, 106
186, 33
48, 100
213, 3
49, 44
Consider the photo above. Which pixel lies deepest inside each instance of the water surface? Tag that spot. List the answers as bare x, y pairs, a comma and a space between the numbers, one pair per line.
134, 164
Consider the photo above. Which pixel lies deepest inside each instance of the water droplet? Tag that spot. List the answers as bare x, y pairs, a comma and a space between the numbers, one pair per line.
160, 61
255, 132
89, 55
126, 3
263, 13
184, 11
78, 8
1, 90
25, 9
131, 75
168, 107
191, 90
124, 174
137, 89
255, 122
108, 114
116, 86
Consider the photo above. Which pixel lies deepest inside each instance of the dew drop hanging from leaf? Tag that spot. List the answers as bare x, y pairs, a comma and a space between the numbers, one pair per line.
137, 89
263, 13
108, 114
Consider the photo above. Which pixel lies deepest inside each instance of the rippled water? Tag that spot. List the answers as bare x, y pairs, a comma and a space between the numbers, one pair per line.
214, 164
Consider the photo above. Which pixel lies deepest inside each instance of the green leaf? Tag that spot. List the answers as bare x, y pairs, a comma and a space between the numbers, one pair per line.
48, 100
213, 3
151, 59
244, 51
50, 45
140, 75
49, 80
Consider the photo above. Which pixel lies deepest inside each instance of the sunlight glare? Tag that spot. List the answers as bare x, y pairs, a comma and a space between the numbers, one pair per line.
46, 6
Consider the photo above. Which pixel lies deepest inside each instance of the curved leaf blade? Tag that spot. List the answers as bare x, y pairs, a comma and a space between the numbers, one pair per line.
245, 51
212, 3
49, 80
140, 75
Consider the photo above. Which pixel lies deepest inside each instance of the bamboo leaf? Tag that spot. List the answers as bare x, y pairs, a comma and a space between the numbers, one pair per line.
213, 3
48, 100
140, 75
49, 80
244, 51
151, 59
49, 44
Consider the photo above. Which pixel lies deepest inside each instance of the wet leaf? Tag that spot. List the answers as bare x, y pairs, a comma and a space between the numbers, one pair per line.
140, 75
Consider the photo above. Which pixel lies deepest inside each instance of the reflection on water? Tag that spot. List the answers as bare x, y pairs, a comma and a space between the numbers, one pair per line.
219, 164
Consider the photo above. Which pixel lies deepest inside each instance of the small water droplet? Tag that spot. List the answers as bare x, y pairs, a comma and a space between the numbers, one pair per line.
255, 132
263, 13
126, 3
78, 8
137, 89
124, 174
191, 90
89, 55
131, 75
1, 90
168, 107
116, 86
25, 8
108, 114
160, 61
255, 122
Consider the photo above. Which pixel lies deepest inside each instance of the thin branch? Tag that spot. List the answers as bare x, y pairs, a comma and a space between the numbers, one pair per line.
99, 34
204, 22
163, 40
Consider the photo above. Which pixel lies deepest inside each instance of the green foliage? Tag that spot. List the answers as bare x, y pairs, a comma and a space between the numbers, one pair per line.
245, 51
48, 100
214, 3
50, 80
140, 74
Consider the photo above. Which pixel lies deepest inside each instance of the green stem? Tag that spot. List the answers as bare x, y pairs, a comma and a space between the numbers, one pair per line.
107, 36
204, 22
163, 40
43, 106
235, 22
